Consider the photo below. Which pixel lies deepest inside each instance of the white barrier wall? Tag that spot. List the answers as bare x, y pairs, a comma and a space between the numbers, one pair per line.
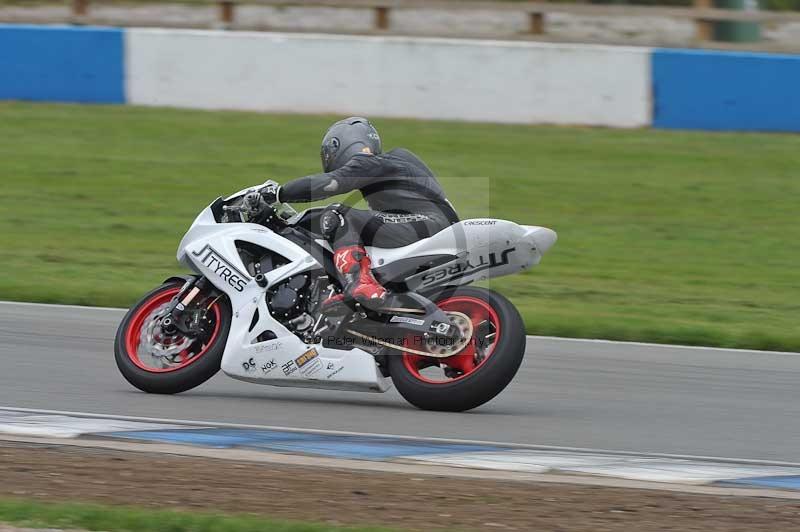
493, 81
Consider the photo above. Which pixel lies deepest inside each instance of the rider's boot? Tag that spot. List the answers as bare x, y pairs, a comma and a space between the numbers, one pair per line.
355, 270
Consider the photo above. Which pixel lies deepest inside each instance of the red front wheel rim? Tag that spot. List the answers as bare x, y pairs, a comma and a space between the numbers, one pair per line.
142, 317
486, 327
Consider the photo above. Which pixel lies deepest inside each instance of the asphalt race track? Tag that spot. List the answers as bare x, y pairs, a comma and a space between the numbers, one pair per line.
600, 395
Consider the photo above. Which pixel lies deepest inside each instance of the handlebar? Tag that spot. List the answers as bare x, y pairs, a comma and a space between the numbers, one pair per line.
259, 213
252, 207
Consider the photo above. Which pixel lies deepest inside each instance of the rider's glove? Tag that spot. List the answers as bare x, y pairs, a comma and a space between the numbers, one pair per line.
254, 202
271, 193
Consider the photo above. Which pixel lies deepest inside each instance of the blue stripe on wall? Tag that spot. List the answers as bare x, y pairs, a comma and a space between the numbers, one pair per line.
54, 63
726, 90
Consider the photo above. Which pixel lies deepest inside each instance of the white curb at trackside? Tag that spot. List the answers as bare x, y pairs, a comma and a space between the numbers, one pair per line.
530, 337
522, 446
61, 426
684, 470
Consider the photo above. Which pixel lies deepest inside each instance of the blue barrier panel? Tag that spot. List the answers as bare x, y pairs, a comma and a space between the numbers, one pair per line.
726, 90
64, 64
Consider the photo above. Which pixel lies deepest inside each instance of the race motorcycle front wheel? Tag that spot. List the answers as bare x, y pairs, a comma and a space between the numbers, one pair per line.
479, 371
156, 362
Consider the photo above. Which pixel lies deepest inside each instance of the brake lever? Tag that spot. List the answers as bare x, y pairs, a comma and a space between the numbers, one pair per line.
243, 212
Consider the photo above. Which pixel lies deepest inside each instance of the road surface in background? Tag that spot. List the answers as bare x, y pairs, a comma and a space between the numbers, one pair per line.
631, 397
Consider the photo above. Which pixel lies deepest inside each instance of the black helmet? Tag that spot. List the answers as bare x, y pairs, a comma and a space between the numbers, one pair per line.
345, 139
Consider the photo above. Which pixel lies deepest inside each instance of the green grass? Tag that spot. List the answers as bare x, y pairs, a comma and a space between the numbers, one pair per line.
74, 516
685, 237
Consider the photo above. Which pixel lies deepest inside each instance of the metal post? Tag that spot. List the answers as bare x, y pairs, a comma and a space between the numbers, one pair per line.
80, 8
704, 29
382, 18
536, 23
226, 12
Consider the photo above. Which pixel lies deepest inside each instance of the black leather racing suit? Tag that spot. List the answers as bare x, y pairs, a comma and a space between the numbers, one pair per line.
405, 199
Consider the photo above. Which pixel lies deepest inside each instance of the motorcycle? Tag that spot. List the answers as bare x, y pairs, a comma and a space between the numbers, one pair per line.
253, 308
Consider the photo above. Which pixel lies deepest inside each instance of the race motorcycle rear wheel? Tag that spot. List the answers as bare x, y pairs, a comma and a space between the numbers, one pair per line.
158, 363
477, 373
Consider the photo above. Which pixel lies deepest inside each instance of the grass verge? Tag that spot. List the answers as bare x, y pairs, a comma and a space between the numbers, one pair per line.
665, 236
82, 516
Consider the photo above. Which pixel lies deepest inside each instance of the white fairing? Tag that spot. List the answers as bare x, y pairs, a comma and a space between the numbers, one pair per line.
209, 248
481, 248
485, 248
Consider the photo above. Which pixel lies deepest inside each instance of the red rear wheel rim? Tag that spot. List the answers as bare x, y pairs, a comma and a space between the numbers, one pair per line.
466, 362
134, 332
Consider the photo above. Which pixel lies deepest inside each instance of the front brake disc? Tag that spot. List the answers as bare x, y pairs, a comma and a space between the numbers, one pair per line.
154, 343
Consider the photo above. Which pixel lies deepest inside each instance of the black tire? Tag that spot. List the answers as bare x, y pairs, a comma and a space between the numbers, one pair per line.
486, 381
179, 380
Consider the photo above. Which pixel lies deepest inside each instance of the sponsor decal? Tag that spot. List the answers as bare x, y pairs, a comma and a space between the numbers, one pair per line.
249, 365
306, 357
272, 346
309, 363
269, 366
330, 366
214, 261
312, 368
406, 319
440, 327
483, 262
289, 368
480, 222
391, 218
334, 372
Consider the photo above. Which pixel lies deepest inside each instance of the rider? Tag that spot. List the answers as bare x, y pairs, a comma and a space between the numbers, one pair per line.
406, 202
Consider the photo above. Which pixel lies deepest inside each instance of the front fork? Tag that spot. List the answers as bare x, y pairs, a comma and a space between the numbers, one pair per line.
175, 320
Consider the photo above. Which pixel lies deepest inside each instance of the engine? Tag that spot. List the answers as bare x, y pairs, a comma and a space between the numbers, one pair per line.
293, 300
288, 299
